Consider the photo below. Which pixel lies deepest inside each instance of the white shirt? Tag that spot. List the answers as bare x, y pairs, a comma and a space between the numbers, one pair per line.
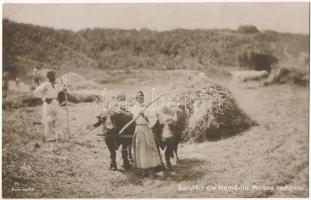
46, 90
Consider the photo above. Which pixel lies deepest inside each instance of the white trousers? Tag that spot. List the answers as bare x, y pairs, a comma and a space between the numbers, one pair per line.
53, 117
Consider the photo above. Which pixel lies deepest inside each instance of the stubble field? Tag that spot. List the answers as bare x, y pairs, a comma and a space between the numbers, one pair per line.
268, 160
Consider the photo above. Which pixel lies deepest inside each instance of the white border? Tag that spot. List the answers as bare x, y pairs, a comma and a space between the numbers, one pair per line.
143, 1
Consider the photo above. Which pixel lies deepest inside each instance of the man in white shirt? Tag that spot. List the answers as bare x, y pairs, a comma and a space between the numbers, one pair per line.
53, 116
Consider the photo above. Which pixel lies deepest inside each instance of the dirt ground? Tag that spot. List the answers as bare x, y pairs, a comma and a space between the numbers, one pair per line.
269, 160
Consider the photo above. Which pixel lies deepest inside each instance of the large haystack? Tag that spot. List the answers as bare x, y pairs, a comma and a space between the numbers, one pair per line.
212, 111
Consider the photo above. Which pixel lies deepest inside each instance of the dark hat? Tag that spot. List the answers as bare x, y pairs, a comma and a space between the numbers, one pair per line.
50, 73
140, 96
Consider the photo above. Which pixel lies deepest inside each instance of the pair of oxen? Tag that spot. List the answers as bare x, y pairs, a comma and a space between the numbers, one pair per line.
167, 132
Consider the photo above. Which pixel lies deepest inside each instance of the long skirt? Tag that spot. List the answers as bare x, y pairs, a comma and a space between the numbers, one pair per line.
146, 154
53, 117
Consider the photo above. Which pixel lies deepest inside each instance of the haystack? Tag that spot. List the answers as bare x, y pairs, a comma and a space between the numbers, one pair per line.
19, 100
76, 82
212, 111
298, 75
247, 29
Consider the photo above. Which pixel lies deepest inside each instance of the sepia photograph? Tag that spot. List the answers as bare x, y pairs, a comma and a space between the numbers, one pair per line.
155, 100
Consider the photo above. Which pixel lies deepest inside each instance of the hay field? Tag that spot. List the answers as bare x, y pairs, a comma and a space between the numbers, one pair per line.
272, 154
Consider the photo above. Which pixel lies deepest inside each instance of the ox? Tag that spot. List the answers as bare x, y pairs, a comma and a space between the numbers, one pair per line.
113, 121
168, 130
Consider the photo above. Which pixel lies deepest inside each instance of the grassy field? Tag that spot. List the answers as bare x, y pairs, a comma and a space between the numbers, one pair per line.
272, 154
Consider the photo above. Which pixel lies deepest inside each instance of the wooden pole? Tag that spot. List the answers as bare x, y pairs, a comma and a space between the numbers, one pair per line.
134, 119
67, 113
67, 117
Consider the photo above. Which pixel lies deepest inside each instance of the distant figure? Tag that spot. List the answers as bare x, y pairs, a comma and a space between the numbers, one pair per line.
18, 83
53, 115
36, 78
5, 84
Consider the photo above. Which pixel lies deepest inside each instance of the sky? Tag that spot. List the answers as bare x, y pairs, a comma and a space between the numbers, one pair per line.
281, 17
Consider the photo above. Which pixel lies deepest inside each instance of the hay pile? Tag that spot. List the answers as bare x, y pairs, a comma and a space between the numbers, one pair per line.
298, 76
79, 88
23, 87
248, 29
26, 99
76, 82
212, 111
19, 100
80, 96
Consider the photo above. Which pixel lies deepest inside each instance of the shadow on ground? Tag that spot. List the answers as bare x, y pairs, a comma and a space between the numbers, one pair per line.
186, 169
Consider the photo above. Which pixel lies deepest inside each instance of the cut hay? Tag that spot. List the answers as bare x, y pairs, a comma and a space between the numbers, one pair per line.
23, 87
26, 99
212, 112
19, 100
80, 96
297, 76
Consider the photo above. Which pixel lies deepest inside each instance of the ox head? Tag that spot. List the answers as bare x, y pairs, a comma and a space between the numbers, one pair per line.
108, 120
114, 120
171, 122
167, 126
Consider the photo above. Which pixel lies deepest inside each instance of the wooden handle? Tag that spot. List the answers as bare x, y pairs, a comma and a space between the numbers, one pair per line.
128, 124
133, 120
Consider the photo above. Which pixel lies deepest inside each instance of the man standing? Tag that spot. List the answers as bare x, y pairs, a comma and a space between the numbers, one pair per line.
36, 78
5, 84
18, 83
53, 115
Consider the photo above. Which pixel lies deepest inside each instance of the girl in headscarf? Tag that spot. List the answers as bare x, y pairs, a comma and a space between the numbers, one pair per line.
146, 154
